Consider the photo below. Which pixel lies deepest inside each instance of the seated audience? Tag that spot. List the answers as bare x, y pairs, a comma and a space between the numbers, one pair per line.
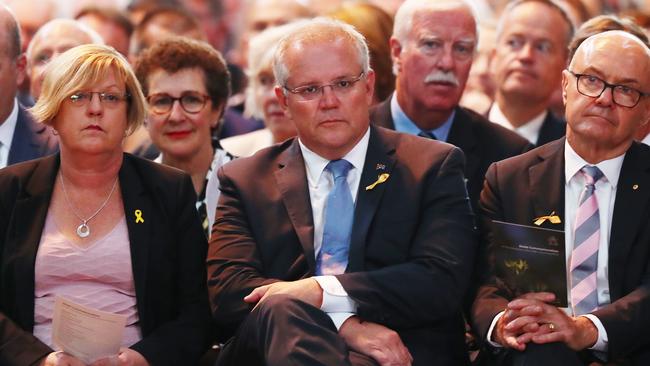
594, 181
527, 62
350, 244
186, 84
21, 138
99, 227
261, 101
113, 25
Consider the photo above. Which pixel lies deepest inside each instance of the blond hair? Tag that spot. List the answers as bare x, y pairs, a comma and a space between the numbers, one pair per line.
79, 68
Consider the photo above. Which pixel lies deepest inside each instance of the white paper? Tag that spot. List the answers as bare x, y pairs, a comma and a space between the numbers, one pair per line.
85, 333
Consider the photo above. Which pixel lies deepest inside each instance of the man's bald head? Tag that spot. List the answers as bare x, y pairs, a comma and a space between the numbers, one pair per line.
615, 39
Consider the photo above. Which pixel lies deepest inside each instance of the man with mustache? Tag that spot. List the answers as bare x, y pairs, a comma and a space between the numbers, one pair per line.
527, 63
433, 45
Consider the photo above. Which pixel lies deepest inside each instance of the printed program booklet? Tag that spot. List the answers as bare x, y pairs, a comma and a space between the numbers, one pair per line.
530, 259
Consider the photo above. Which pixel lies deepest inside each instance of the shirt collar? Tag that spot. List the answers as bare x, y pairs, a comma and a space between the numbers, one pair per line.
404, 124
8, 126
315, 164
611, 168
529, 130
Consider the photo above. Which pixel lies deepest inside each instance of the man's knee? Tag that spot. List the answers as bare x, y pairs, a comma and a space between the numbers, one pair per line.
544, 354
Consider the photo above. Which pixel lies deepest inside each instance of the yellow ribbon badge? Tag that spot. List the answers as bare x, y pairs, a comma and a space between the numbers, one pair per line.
138, 217
552, 218
380, 179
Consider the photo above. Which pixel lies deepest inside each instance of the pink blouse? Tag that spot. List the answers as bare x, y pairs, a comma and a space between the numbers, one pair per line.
98, 276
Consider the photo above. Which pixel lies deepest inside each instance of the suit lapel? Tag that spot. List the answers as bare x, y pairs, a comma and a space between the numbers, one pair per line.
463, 136
291, 179
26, 229
379, 159
547, 183
381, 116
141, 230
632, 199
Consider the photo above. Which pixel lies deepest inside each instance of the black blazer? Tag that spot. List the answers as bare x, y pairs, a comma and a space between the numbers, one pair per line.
482, 141
31, 140
532, 185
412, 246
553, 128
167, 251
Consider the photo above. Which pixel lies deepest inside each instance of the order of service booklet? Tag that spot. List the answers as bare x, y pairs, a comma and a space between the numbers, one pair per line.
530, 259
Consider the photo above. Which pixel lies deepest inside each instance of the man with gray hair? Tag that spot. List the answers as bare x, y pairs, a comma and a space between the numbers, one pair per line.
20, 137
51, 40
527, 62
433, 46
596, 182
348, 245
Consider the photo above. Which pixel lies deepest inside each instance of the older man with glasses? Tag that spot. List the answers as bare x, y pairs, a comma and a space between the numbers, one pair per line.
348, 245
596, 181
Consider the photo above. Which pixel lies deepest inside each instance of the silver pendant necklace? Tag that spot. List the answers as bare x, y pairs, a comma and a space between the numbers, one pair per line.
83, 230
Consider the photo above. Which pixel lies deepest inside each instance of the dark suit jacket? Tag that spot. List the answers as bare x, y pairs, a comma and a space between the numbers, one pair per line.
482, 141
167, 251
552, 129
31, 139
411, 251
532, 185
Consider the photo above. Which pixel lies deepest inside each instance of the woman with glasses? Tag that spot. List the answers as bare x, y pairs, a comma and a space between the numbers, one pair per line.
186, 83
100, 228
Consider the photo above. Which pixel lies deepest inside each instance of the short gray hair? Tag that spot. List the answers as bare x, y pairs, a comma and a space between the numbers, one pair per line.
92, 35
318, 29
404, 16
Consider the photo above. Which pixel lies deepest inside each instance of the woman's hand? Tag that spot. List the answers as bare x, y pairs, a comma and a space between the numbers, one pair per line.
126, 357
60, 359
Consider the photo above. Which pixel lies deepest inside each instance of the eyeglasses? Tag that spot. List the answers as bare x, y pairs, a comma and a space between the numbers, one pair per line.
311, 92
109, 99
191, 102
593, 86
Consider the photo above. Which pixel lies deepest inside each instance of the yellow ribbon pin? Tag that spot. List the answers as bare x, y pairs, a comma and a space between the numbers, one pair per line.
552, 218
380, 179
138, 217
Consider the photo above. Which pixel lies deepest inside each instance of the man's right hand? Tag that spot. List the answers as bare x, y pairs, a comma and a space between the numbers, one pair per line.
516, 321
60, 359
376, 341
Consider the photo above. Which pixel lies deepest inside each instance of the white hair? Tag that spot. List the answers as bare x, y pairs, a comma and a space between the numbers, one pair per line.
319, 28
54, 24
406, 12
261, 49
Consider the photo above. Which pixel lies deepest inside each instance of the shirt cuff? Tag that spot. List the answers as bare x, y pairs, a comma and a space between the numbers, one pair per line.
335, 298
339, 318
602, 341
489, 333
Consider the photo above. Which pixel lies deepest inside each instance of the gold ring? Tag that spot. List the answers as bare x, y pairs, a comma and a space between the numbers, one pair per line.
551, 326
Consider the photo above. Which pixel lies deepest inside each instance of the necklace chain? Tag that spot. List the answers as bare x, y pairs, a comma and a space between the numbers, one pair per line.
83, 230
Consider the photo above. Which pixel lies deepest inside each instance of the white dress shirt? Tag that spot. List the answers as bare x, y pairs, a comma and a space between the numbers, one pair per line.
7, 129
529, 130
646, 139
606, 196
336, 302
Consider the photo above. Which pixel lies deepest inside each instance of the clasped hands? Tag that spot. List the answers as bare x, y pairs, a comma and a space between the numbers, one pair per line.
530, 318
371, 339
126, 357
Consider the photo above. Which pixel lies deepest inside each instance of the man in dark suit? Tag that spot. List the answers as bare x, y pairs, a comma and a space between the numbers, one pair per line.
20, 137
596, 182
348, 245
430, 82
530, 54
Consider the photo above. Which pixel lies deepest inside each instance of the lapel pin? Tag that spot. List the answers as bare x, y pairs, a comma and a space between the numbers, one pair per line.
552, 218
380, 179
635, 187
138, 217
380, 166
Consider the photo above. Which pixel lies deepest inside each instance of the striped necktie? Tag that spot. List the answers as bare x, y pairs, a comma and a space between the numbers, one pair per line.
339, 213
586, 239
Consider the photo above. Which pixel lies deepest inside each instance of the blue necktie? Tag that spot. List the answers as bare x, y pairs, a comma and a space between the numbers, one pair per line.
427, 135
339, 213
